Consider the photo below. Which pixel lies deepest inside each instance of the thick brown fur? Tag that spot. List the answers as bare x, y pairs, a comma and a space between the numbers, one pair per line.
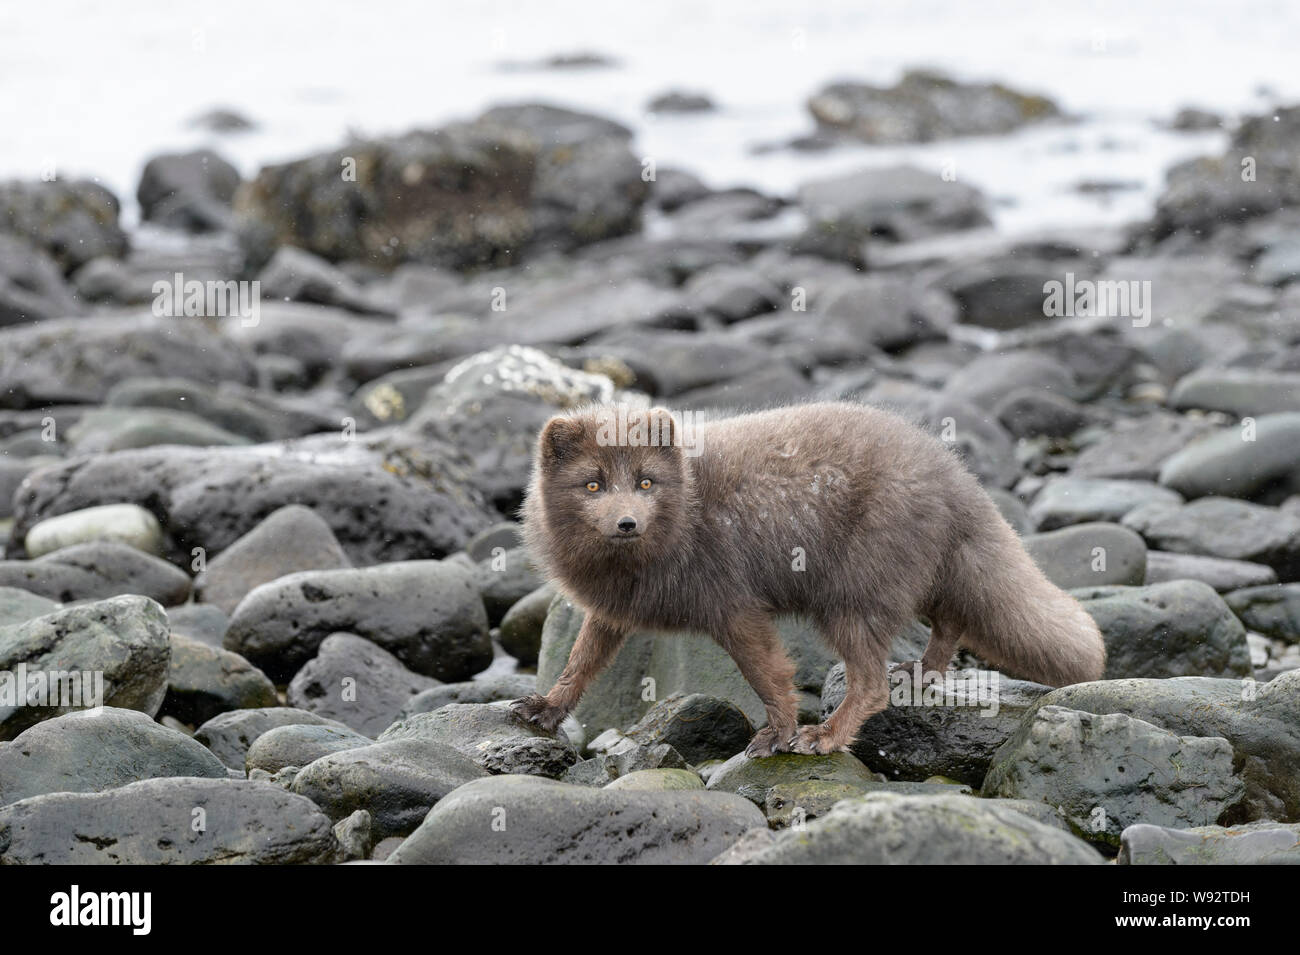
889, 523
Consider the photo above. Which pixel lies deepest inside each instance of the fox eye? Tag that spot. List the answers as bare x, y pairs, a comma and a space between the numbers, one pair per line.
646, 483
593, 486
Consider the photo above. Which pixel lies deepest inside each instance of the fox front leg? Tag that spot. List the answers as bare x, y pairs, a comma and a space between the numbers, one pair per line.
597, 643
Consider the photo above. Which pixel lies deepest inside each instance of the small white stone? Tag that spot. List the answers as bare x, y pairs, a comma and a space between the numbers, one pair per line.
129, 523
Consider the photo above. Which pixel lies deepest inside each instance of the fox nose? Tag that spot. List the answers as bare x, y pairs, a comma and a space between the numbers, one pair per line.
626, 525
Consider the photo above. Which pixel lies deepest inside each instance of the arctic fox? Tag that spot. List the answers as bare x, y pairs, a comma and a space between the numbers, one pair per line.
841, 512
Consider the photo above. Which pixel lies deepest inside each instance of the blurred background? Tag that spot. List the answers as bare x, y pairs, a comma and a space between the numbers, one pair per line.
98, 91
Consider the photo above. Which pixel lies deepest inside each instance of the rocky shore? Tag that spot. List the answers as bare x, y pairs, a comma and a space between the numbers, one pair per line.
260, 463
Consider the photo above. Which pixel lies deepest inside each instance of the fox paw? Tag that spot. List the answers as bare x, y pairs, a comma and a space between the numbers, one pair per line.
540, 710
817, 740
769, 741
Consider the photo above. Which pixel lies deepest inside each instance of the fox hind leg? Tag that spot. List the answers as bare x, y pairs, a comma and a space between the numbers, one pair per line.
752, 641
867, 690
937, 656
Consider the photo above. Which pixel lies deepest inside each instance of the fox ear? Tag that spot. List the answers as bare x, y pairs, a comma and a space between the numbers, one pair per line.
664, 426
560, 438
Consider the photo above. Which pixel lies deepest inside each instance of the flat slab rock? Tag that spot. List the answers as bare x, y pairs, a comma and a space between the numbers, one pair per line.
168, 822
525, 820
888, 829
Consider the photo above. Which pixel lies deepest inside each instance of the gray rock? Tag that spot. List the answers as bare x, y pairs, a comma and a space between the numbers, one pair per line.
289, 540
357, 683
1223, 527
1138, 448
293, 275
621, 755
73, 220
222, 120
475, 729
1071, 500
990, 377
127, 523
553, 178
527, 756
755, 779
231, 734
777, 384
1093, 554
396, 781
521, 627
1203, 194
31, 285
547, 822
1181, 628
598, 771
902, 202
733, 293
62, 361
925, 106
507, 535
119, 429
14, 470
697, 726
950, 731
504, 580
386, 496
1226, 464
202, 622
237, 409
492, 406
155, 822
189, 191
94, 751
203, 681
1036, 412
677, 101
1220, 573
1242, 392
1008, 293
795, 804
1261, 721
96, 570
426, 613
299, 744
1261, 843
1279, 264
889, 829
658, 780
1270, 610
673, 363
18, 605
1193, 119
882, 310
123, 638
354, 835
484, 690
1108, 772
675, 188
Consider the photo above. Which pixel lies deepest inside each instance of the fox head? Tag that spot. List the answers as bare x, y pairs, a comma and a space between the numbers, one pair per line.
613, 481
